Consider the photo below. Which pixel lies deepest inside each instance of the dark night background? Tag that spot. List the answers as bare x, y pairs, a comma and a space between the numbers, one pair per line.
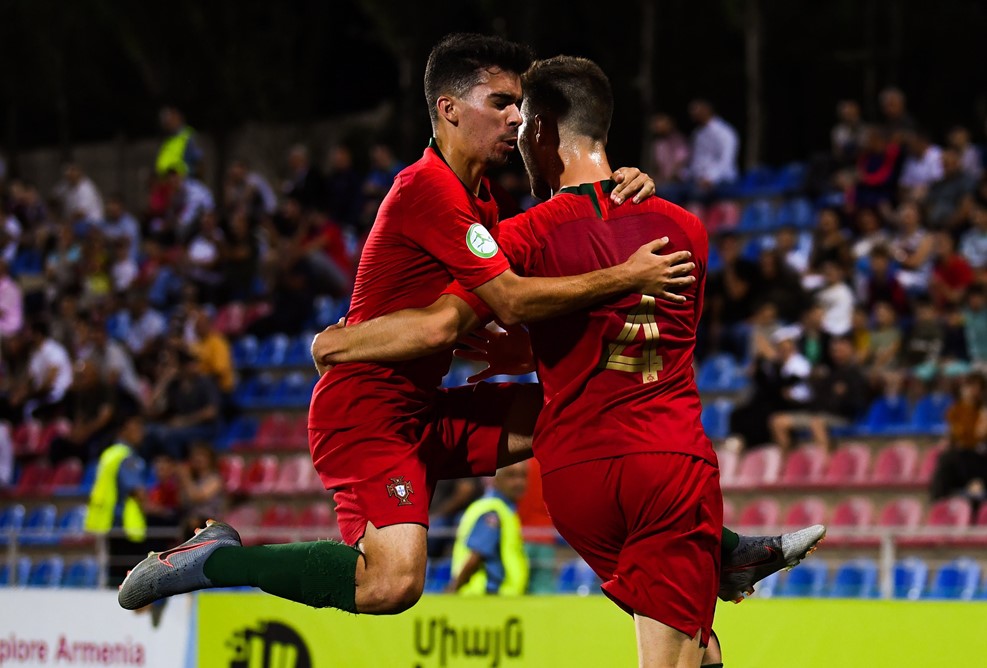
92, 70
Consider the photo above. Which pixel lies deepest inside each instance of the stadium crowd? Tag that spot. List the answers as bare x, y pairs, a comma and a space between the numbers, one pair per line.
860, 274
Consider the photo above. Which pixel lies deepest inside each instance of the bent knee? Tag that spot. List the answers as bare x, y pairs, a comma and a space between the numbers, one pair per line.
391, 594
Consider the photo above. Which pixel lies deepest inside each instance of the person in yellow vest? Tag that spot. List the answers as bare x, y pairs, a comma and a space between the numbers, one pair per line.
488, 557
179, 152
117, 498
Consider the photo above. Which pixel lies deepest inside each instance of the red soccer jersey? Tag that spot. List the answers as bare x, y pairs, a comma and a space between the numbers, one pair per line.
617, 378
429, 230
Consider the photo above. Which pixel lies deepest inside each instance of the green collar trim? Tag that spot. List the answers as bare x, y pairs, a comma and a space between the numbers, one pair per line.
590, 189
434, 145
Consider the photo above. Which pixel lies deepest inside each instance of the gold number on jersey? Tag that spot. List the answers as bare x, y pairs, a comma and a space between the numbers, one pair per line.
648, 364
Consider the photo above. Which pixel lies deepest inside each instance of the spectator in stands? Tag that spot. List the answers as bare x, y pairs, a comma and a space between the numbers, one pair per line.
124, 270
186, 402
923, 165
6, 456
344, 186
26, 204
885, 341
962, 467
668, 153
451, 498
292, 294
180, 151
144, 332
729, 296
971, 161
951, 273
304, 181
788, 247
248, 190
860, 334
384, 166
897, 120
924, 343
79, 196
778, 284
163, 506
201, 487
120, 224
975, 327
911, 248
109, 356
715, 149
240, 258
118, 496
212, 351
948, 201
869, 233
325, 249
813, 340
847, 136
882, 285
49, 371
191, 201
488, 557
836, 299
10, 234
838, 395
203, 257
878, 167
763, 324
829, 244
11, 303
973, 245
89, 408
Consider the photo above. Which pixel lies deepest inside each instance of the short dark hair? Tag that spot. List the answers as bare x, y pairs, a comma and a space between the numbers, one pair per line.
454, 64
575, 91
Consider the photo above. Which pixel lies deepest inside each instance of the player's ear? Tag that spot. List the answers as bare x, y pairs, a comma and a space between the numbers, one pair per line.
448, 109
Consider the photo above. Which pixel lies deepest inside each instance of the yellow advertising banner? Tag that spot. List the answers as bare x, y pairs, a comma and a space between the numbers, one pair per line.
245, 630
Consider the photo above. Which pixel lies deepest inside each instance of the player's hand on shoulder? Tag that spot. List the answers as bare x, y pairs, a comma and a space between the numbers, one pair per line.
632, 183
661, 275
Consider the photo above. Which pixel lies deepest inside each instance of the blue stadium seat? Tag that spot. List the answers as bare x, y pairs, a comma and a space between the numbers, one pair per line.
887, 416
256, 392
82, 574
716, 418
716, 373
294, 391
39, 527
929, 414
240, 430
796, 212
22, 568
809, 579
757, 182
88, 479
299, 351
72, 522
576, 577
11, 521
769, 586
758, 216
438, 575
272, 352
458, 373
245, 352
855, 579
910, 576
790, 178
957, 580
46, 573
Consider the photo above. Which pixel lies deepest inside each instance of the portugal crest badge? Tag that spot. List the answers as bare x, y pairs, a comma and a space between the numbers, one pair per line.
402, 489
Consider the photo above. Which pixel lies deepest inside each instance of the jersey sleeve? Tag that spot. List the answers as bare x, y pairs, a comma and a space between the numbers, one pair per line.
485, 537
483, 312
519, 242
445, 225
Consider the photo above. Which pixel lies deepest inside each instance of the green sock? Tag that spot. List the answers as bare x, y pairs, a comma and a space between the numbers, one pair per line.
712, 665
320, 574
730, 542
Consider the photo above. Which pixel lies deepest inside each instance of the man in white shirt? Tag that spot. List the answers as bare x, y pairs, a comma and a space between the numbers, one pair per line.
49, 370
146, 326
120, 224
80, 198
715, 146
836, 300
11, 303
973, 245
923, 166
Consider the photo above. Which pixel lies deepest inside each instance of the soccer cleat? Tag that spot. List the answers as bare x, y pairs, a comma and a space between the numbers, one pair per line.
178, 570
757, 557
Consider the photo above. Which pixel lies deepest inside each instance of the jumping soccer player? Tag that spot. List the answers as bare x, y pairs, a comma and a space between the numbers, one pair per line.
629, 476
381, 435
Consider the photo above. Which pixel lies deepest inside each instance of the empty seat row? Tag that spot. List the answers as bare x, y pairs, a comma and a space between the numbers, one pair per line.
268, 475
50, 572
42, 526
900, 463
280, 523
278, 350
959, 579
268, 392
40, 479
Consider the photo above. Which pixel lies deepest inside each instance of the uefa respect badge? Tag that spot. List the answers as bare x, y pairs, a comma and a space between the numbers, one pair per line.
480, 242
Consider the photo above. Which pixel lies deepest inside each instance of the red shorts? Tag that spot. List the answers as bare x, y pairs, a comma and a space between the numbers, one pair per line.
385, 474
649, 525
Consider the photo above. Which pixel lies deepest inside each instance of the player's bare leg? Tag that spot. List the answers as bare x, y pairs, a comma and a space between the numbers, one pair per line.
515, 446
390, 574
713, 657
661, 646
